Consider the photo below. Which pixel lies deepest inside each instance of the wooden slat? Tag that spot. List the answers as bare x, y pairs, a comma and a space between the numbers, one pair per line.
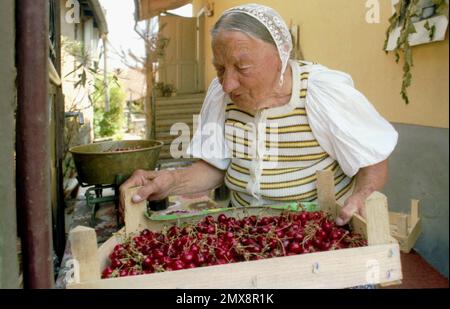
107, 247
326, 192
170, 121
334, 269
393, 217
166, 136
378, 225
377, 217
408, 243
135, 220
402, 225
414, 212
83, 244
179, 104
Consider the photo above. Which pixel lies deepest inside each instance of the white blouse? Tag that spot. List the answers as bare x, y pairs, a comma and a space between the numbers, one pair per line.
343, 121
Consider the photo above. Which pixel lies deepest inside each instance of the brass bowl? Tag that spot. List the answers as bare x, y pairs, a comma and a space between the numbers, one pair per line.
100, 163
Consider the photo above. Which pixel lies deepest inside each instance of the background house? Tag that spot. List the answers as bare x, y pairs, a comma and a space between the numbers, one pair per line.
82, 49
339, 35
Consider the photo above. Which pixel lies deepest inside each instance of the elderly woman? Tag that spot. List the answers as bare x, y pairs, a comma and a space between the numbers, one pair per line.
280, 121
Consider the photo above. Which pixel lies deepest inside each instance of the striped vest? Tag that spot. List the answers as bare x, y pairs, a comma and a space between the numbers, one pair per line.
275, 154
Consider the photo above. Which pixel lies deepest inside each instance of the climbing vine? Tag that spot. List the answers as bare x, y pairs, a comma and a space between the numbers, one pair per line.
405, 11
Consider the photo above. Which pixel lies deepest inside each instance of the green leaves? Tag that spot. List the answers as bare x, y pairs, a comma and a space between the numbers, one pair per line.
405, 10
393, 21
408, 56
441, 6
407, 76
85, 69
431, 30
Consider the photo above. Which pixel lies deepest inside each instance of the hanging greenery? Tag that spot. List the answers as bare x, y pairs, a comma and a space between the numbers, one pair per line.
405, 11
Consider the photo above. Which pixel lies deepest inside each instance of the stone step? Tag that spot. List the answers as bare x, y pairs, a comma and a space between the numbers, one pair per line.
169, 121
182, 98
164, 119
167, 138
177, 111
179, 103
161, 129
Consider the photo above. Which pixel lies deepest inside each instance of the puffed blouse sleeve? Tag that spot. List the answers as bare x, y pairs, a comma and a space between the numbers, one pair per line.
208, 142
345, 123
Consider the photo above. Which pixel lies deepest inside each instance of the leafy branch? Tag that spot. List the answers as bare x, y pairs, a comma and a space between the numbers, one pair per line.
405, 11
85, 67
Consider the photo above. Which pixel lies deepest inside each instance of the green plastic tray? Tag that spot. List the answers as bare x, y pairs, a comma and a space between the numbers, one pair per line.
156, 216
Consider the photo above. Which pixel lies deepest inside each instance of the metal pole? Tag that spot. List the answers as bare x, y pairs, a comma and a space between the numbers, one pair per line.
32, 143
59, 240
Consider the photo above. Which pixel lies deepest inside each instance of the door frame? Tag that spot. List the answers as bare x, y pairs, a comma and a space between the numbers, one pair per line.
201, 65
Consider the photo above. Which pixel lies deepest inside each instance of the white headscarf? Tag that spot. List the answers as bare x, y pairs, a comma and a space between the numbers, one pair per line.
275, 24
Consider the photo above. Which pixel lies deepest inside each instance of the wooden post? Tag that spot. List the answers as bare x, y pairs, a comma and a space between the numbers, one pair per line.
402, 225
83, 244
326, 192
378, 229
377, 217
414, 228
414, 212
134, 213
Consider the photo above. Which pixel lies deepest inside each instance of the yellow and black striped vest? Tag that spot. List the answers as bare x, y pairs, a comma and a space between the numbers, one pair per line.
275, 154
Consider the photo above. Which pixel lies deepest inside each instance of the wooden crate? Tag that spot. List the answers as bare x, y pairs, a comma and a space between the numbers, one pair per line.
378, 263
406, 228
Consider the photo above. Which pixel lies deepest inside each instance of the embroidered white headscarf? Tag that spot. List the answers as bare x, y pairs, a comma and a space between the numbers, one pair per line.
275, 24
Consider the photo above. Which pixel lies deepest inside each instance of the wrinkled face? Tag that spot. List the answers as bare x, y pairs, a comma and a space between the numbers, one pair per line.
248, 68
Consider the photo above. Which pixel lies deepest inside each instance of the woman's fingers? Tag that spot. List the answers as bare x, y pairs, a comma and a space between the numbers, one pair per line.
144, 193
138, 179
354, 204
346, 214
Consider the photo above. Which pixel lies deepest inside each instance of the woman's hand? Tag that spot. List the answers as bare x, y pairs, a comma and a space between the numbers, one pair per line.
368, 179
155, 185
353, 204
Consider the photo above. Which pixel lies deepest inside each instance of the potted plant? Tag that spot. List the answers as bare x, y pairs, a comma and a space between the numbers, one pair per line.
168, 90
159, 89
164, 90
